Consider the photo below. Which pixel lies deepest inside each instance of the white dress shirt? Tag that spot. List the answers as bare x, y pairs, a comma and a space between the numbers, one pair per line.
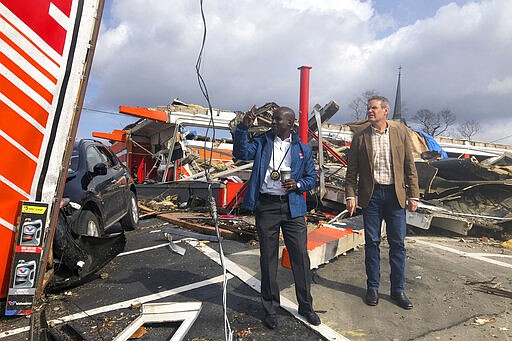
281, 157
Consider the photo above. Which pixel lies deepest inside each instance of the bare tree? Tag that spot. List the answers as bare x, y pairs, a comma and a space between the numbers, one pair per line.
447, 118
469, 129
360, 104
427, 121
434, 123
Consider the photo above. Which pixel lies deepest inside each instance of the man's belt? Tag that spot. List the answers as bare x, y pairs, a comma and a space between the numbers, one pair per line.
273, 198
384, 186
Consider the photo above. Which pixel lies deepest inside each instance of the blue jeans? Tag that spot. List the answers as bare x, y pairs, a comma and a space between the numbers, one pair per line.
384, 205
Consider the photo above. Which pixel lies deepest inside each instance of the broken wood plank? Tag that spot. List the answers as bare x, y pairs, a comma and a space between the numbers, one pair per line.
495, 291
489, 281
197, 227
148, 215
240, 230
145, 208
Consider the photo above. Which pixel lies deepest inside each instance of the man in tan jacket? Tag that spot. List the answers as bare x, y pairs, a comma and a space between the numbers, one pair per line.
382, 174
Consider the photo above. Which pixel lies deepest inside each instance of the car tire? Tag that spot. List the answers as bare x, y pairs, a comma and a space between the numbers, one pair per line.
131, 220
88, 224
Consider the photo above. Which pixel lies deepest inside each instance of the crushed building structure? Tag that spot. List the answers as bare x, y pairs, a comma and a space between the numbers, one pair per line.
170, 152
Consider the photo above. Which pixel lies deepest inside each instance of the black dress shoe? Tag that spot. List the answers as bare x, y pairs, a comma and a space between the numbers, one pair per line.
270, 321
401, 299
372, 297
311, 317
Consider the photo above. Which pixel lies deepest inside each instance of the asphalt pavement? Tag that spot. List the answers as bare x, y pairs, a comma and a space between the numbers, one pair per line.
444, 275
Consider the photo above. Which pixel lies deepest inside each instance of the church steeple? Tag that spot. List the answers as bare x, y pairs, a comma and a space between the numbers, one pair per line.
397, 110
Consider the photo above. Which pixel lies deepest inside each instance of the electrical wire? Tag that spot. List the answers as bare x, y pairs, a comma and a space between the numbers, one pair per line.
103, 111
228, 333
501, 138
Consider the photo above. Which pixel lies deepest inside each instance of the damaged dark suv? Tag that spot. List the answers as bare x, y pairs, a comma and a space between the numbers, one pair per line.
103, 187
98, 193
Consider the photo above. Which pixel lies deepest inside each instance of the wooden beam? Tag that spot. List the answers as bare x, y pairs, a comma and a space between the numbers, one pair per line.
198, 227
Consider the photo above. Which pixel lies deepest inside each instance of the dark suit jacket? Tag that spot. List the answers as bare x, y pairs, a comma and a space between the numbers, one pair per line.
360, 164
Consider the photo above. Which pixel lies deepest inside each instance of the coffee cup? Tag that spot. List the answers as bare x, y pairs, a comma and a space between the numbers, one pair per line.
285, 173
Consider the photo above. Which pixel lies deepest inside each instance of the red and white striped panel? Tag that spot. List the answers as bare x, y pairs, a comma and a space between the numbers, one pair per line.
43, 49
32, 39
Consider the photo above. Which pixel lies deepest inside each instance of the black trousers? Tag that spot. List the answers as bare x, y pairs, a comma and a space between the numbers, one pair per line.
273, 213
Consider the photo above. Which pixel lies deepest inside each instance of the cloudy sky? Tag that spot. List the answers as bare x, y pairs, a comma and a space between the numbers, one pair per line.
455, 55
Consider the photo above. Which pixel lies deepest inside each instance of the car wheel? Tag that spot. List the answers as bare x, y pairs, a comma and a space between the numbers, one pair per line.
88, 224
131, 220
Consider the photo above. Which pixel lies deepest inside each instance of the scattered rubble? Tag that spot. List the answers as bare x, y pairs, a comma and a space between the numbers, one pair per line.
168, 204
491, 287
481, 320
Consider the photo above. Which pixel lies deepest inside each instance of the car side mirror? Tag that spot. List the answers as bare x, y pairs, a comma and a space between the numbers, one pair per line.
100, 169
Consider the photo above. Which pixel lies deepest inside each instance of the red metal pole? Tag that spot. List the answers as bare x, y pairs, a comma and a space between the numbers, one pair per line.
304, 103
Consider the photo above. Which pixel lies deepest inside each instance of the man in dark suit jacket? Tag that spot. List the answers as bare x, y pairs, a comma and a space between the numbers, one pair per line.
381, 172
279, 205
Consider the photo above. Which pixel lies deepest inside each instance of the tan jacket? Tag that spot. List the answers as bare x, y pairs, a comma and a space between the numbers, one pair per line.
360, 164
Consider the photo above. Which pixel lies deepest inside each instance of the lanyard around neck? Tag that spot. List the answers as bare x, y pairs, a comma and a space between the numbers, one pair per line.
274, 159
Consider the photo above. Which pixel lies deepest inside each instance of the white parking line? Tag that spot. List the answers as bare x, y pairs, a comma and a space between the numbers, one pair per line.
142, 250
498, 255
235, 269
478, 256
124, 304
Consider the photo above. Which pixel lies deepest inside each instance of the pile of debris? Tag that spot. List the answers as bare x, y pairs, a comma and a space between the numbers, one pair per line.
180, 157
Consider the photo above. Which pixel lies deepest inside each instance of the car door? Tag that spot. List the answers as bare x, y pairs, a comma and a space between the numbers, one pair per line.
118, 179
102, 186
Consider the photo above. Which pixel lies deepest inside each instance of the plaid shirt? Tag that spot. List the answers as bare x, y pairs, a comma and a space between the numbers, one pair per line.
382, 163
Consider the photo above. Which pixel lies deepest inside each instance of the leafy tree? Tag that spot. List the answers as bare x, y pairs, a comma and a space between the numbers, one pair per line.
434, 123
469, 129
360, 104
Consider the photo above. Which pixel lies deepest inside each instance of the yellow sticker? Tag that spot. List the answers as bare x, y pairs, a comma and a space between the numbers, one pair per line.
33, 209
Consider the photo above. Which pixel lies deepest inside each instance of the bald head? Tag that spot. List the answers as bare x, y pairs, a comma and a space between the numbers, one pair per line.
286, 113
282, 121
